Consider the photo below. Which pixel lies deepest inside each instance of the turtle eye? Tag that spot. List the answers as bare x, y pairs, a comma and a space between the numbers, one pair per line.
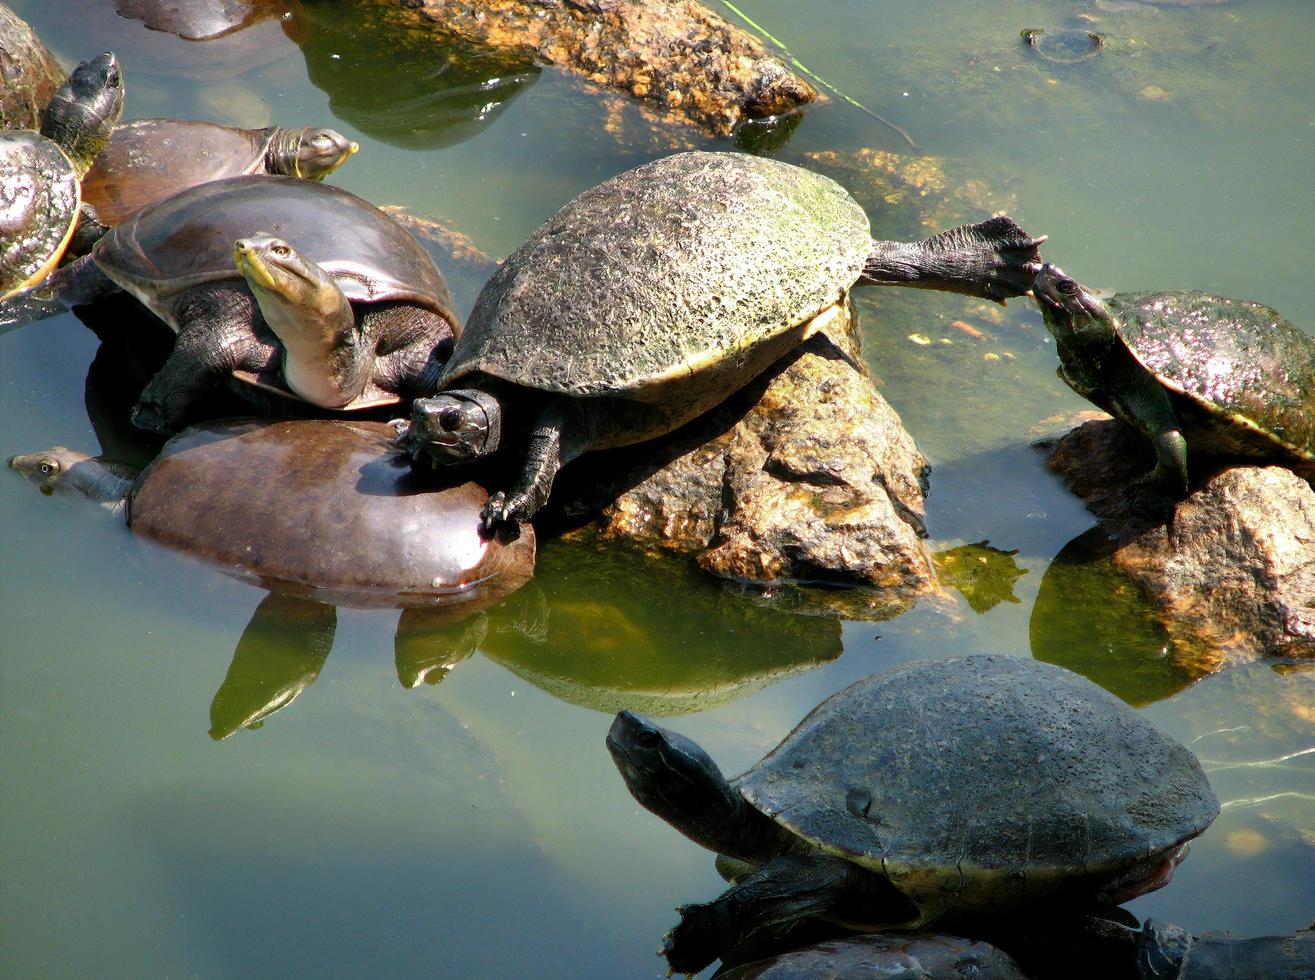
450, 419
282, 251
647, 738
1068, 287
48, 466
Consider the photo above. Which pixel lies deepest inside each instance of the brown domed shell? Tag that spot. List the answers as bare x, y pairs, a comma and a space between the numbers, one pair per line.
39, 200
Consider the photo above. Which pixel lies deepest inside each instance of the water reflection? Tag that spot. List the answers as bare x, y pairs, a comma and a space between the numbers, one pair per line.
1093, 619
200, 20
422, 93
984, 576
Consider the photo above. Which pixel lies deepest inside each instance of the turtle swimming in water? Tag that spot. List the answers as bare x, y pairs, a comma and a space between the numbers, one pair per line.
1066, 47
358, 315
652, 297
150, 159
1222, 377
41, 172
949, 790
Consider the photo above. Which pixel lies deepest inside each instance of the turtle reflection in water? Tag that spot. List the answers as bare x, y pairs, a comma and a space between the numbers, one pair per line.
1065, 47
983, 575
1220, 377
654, 296
946, 790
321, 512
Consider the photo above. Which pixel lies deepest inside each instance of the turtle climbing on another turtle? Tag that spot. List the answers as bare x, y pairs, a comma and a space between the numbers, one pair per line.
1221, 377
1066, 47
953, 789
41, 172
652, 297
292, 288
150, 159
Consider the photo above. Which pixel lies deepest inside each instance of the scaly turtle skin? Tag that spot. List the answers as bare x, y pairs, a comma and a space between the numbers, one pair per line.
952, 789
655, 295
359, 314
1066, 47
151, 159
1219, 376
319, 508
40, 196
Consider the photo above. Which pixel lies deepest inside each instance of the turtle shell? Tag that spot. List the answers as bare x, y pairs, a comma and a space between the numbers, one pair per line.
150, 159
187, 240
30, 73
1239, 362
39, 201
325, 509
983, 781
664, 272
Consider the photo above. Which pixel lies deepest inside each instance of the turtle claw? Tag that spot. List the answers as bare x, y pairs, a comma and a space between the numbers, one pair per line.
150, 417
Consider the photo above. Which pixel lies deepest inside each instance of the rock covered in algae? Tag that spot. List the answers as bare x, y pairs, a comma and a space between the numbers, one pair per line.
29, 73
805, 476
675, 53
1232, 573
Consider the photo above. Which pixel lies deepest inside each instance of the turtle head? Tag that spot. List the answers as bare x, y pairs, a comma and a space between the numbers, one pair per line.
82, 113
1072, 313
669, 775
49, 468
455, 426
68, 471
309, 153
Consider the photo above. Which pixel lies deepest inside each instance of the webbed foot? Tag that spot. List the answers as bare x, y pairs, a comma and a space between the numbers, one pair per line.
695, 941
503, 514
1016, 254
153, 416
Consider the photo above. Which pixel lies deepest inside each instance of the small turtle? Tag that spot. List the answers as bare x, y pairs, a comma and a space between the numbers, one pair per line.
318, 508
151, 159
652, 297
1066, 47
40, 173
360, 314
28, 70
1227, 377
907, 956
1167, 952
954, 788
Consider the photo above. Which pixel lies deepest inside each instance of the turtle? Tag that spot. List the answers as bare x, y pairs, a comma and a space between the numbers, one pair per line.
1228, 378
40, 172
358, 314
650, 298
1065, 47
28, 70
908, 956
949, 790
315, 508
1169, 952
150, 159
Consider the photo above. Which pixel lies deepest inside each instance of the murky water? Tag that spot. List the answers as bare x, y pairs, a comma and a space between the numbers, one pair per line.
476, 827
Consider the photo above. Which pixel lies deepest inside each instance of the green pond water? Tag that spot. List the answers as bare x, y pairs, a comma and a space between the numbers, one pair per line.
477, 827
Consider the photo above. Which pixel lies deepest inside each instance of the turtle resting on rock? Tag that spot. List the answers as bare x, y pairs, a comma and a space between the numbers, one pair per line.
955, 790
652, 297
41, 173
150, 159
290, 287
1222, 377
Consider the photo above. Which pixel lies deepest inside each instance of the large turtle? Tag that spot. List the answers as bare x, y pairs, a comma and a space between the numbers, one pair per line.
650, 298
359, 314
150, 159
1225, 377
40, 173
945, 790
319, 508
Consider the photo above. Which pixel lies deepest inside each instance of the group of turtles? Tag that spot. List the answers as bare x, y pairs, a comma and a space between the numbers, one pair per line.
957, 791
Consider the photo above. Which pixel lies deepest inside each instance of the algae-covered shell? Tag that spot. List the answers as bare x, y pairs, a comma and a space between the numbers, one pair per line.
39, 201
324, 509
981, 781
1234, 360
665, 272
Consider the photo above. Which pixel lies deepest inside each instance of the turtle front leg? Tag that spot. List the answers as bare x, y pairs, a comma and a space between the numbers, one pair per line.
773, 900
217, 337
561, 434
1143, 403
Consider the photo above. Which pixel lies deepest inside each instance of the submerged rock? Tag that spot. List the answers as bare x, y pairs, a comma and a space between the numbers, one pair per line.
676, 54
1232, 572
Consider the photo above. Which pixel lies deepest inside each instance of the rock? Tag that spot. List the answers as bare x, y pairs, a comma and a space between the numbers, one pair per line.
1153, 93
674, 53
1232, 572
805, 476
29, 73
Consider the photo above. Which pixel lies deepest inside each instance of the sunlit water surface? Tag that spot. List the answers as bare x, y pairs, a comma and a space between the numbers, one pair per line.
477, 827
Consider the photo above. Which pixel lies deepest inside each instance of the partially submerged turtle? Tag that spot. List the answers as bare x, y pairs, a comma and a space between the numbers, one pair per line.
359, 314
151, 159
948, 789
1064, 47
649, 299
1189, 370
1168, 952
318, 508
40, 173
